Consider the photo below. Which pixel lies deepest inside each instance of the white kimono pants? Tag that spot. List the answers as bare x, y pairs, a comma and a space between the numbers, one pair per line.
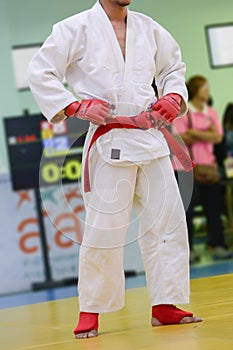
153, 191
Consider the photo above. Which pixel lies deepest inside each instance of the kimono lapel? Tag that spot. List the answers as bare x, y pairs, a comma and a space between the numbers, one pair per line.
129, 58
124, 66
109, 31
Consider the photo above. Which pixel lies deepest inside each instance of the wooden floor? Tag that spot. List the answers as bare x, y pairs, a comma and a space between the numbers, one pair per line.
48, 326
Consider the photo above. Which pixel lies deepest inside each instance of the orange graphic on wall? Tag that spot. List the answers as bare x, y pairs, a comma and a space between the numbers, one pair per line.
24, 196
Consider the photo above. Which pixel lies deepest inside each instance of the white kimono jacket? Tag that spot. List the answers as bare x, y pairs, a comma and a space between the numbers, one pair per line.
84, 49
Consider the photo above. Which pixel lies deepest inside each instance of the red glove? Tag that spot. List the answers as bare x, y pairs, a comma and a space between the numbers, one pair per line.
144, 120
168, 107
95, 111
72, 109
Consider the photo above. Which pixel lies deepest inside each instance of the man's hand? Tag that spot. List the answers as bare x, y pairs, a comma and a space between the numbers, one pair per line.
95, 111
168, 107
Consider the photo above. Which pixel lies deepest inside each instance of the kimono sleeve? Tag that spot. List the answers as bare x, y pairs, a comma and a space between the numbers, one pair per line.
47, 70
170, 69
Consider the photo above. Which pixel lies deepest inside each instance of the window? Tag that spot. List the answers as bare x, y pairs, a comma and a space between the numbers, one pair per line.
220, 44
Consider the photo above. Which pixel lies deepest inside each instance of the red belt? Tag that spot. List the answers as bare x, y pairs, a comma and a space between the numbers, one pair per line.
175, 147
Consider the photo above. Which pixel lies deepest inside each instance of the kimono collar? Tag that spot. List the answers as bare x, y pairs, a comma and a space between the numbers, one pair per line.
130, 39
99, 8
124, 65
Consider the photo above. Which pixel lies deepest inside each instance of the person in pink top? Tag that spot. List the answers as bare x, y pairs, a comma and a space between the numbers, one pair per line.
200, 129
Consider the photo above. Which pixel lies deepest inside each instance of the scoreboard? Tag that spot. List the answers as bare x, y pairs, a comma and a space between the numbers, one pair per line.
41, 154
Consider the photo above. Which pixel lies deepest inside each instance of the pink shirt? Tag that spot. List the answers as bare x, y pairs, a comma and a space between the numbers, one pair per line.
203, 152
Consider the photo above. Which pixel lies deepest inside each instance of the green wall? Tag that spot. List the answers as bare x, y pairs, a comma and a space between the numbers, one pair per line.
29, 21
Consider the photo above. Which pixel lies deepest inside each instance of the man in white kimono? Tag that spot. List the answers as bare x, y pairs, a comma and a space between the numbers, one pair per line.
110, 56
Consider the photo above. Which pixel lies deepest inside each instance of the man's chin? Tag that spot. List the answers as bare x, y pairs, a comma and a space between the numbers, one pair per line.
124, 3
